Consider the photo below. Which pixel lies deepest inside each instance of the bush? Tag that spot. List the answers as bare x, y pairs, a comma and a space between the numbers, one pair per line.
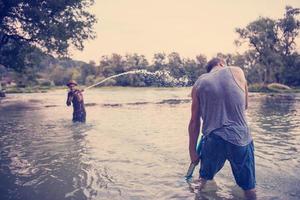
45, 82
89, 80
109, 82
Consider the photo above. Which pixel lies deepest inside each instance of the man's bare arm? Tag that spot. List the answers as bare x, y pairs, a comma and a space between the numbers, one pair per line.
69, 99
194, 126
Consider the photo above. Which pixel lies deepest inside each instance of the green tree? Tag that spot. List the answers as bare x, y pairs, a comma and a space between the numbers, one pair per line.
194, 68
52, 26
262, 37
135, 62
292, 71
159, 62
175, 65
87, 69
273, 42
60, 75
288, 30
289, 27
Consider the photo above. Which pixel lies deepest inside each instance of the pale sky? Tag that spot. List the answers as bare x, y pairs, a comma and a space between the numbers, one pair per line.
189, 27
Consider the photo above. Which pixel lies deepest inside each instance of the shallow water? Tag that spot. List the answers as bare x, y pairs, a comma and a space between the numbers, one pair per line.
134, 146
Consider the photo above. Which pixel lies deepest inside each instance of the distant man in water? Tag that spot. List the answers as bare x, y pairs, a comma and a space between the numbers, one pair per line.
220, 98
75, 96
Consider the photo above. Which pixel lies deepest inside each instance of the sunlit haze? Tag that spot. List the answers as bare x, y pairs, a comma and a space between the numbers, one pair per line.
189, 27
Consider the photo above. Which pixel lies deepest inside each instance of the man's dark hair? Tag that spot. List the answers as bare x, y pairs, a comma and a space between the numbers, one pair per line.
212, 63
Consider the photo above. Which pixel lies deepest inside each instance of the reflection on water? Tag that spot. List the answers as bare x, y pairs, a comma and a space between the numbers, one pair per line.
134, 146
275, 124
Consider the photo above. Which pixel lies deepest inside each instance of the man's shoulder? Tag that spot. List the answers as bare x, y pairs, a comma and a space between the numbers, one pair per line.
199, 82
236, 69
77, 91
238, 74
201, 77
74, 92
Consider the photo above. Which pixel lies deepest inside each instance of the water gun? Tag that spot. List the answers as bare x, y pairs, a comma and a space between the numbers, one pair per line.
192, 166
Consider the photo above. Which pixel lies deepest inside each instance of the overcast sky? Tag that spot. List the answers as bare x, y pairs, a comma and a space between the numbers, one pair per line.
189, 27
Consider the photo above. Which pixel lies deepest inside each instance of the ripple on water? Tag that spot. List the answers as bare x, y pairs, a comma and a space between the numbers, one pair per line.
131, 150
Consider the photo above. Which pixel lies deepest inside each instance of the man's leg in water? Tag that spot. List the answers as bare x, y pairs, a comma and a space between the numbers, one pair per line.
202, 183
79, 116
242, 163
250, 194
213, 157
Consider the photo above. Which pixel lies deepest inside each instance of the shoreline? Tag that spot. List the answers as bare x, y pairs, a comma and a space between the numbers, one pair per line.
22, 90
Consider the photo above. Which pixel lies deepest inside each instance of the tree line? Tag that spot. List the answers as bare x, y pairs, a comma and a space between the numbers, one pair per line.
35, 37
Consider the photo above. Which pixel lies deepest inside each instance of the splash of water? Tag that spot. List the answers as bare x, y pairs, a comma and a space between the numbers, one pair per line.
165, 75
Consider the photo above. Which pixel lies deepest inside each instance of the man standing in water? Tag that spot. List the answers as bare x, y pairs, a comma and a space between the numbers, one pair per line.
75, 96
220, 98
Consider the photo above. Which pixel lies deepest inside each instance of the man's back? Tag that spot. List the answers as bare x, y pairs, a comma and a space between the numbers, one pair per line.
222, 102
220, 99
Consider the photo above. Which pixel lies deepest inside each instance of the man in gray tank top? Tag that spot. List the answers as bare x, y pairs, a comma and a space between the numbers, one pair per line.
220, 98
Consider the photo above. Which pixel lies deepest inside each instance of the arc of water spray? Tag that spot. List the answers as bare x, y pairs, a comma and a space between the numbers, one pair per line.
166, 75
114, 76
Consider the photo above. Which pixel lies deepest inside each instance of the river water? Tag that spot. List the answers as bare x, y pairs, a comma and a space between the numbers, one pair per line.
134, 146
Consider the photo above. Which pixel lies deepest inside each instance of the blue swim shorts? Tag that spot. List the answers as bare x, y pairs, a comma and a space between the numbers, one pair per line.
215, 151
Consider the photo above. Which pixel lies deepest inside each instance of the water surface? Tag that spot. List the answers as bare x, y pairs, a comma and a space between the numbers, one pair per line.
134, 146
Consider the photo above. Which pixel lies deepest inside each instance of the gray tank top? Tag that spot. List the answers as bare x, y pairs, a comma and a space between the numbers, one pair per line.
222, 104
